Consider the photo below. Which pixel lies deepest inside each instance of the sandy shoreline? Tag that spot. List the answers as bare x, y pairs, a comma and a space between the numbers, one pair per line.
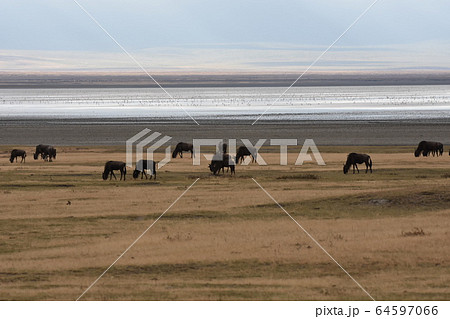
117, 131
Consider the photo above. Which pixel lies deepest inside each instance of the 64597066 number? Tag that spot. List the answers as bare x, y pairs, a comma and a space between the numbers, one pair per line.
407, 310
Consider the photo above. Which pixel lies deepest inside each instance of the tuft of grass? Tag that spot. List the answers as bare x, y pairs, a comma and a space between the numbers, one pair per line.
416, 231
368, 205
179, 237
244, 176
301, 176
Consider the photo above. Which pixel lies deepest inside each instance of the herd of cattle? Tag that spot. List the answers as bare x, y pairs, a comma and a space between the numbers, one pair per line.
220, 160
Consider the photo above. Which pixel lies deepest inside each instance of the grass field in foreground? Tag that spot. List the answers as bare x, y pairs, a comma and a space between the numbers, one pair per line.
226, 239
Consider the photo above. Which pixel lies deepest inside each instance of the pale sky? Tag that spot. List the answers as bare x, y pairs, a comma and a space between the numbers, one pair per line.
217, 36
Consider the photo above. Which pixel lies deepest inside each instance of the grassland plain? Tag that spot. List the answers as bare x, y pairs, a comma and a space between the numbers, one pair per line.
61, 226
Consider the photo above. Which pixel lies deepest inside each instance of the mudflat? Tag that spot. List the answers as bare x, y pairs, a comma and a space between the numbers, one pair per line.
110, 131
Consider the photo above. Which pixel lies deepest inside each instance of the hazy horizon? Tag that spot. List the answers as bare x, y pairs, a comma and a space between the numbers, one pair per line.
214, 37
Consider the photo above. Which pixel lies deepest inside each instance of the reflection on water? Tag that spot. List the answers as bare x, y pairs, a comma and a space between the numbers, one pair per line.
308, 103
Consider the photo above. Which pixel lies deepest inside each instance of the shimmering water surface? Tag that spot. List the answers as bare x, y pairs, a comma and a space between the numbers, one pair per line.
306, 103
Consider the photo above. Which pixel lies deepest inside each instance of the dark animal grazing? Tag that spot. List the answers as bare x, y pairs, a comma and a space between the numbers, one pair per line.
220, 161
51, 154
246, 151
17, 153
437, 149
426, 148
47, 152
40, 150
183, 147
142, 166
114, 166
354, 158
223, 147
440, 149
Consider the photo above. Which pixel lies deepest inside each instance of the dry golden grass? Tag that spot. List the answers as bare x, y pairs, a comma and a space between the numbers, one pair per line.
225, 239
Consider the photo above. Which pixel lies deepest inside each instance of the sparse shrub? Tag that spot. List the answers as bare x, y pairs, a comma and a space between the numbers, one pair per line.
379, 201
302, 176
179, 237
338, 237
415, 232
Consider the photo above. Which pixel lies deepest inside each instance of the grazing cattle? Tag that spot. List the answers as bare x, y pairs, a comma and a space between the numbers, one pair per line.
220, 161
244, 151
354, 158
142, 166
17, 153
183, 147
426, 148
47, 152
112, 166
